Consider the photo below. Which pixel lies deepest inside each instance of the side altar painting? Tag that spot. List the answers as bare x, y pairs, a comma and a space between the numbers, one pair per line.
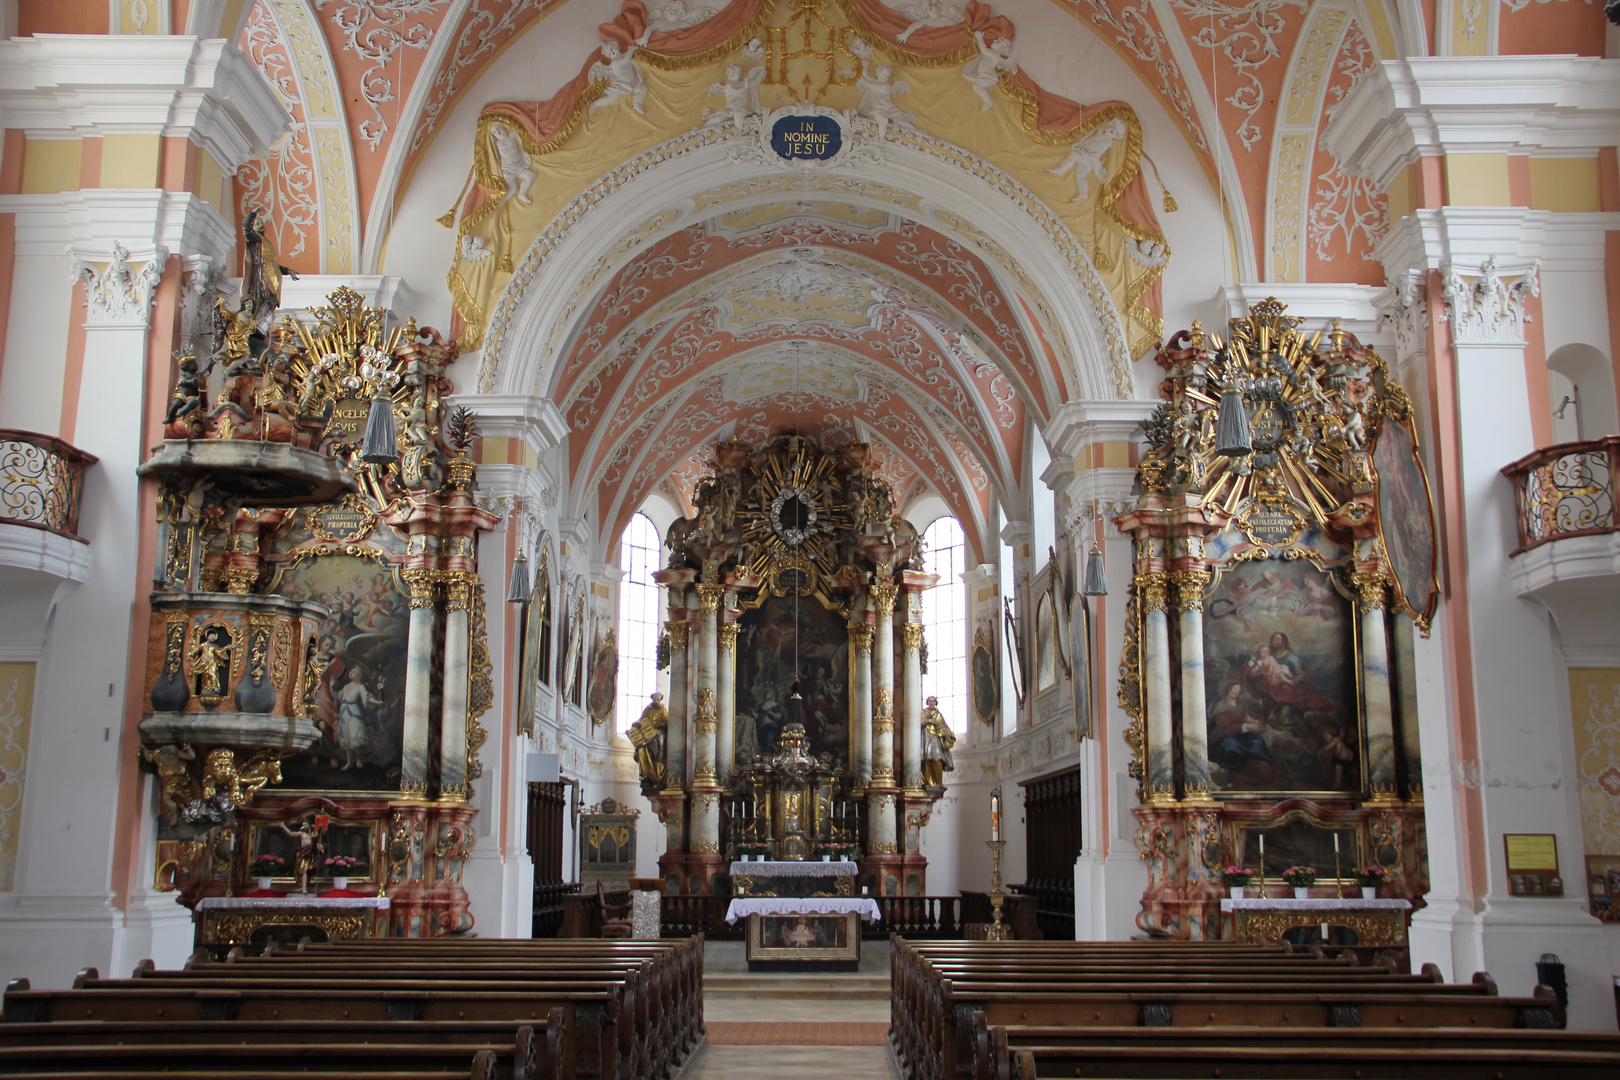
1283, 559
317, 657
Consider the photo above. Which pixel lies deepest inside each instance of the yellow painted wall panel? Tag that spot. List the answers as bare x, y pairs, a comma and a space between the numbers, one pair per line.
211, 182
51, 166
1477, 180
1594, 699
1116, 455
131, 161
1401, 199
1567, 185
16, 713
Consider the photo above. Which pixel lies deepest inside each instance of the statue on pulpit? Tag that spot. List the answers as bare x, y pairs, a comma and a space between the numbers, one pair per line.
937, 740
649, 736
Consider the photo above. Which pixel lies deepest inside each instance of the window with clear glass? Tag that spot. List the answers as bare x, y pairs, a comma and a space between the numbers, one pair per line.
639, 608
944, 612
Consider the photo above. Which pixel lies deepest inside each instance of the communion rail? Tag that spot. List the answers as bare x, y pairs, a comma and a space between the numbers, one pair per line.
1566, 490
42, 482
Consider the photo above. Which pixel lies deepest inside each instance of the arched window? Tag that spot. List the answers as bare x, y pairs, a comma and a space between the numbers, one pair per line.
944, 612
638, 619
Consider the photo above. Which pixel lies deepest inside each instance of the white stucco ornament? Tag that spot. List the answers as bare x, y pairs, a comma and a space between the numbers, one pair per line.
810, 137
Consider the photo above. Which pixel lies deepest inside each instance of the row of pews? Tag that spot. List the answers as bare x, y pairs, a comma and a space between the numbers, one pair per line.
489, 1009
1021, 1010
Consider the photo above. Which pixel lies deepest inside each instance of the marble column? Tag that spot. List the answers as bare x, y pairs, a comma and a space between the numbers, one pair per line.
675, 734
1405, 686
457, 660
1190, 585
726, 728
911, 706
880, 828
705, 824
1377, 705
881, 836
418, 683
1161, 779
860, 647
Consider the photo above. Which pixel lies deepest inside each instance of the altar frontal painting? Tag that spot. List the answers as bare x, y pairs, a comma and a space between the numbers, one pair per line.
1279, 670
769, 639
360, 697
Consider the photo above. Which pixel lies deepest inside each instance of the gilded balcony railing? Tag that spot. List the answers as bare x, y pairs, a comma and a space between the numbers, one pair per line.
41, 482
1566, 490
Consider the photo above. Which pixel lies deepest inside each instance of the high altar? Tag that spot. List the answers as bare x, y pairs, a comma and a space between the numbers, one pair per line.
786, 591
1284, 557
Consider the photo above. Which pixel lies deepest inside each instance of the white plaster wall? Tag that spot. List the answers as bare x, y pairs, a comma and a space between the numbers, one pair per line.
36, 343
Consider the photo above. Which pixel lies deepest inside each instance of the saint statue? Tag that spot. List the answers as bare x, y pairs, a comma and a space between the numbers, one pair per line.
309, 847
648, 735
937, 740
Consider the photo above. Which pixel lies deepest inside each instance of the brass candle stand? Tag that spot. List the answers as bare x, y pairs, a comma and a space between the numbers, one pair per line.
996, 931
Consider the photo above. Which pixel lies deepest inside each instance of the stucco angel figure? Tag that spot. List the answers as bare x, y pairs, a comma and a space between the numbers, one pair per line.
174, 778
516, 166
648, 736
1086, 157
674, 16
937, 740
742, 96
984, 70
619, 65
877, 90
932, 13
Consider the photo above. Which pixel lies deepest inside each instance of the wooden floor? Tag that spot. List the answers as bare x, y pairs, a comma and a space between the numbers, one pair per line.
788, 1027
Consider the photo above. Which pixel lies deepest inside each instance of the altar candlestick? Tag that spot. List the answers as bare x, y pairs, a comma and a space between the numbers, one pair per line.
995, 816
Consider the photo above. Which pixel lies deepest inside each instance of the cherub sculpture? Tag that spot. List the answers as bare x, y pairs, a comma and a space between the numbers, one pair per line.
674, 16
928, 13
174, 778
1086, 157
984, 70
618, 64
515, 165
742, 96
877, 99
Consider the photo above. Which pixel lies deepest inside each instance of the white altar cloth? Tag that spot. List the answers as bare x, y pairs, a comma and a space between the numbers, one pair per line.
290, 903
1326, 903
807, 868
864, 906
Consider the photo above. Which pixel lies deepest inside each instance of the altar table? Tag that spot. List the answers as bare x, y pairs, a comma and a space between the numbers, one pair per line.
224, 921
782, 877
804, 933
1376, 922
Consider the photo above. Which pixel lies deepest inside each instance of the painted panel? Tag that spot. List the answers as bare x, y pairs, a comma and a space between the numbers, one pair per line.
783, 636
1594, 698
16, 713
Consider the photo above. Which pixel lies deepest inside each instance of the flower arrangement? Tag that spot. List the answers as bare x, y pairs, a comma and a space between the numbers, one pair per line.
340, 864
1237, 876
1300, 877
267, 865
753, 847
1371, 875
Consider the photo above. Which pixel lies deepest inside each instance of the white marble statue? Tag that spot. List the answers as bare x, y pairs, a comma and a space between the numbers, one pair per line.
932, 13
877, 102
984, 70
674, 16
1086, 157
741, 93
516, 167
618, 65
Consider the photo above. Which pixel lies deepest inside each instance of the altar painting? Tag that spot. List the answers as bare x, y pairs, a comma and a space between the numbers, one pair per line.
770, 639
354, 842
1405, 518
360, 699
803, 931
1280, 682
1296, 840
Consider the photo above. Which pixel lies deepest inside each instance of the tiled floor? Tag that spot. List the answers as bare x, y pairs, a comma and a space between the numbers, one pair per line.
836, 1001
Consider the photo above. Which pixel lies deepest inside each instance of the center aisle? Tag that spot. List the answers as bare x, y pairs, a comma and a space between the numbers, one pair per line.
793, 1027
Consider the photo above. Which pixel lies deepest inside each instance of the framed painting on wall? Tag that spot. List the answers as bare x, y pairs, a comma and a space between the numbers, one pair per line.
1406, 520
1280, 681
983, 671
604, 677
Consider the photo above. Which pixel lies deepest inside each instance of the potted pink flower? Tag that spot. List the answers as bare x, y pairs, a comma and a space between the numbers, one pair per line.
265, 868
1237, 879
1370, 877
1301, 878
338, 866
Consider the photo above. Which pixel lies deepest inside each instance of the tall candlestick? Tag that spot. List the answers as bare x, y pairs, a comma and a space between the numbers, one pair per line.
995, 814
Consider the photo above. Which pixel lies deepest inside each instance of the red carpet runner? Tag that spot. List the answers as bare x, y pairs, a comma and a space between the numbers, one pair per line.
776, 1033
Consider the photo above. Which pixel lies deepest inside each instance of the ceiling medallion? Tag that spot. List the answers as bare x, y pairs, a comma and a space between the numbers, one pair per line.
793, 515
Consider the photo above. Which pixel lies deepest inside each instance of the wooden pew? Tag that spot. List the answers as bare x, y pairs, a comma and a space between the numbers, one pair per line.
536, 1049
287, 1056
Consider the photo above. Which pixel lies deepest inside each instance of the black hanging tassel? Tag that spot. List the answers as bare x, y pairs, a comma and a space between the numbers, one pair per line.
1096, 582
380, 446
1232, 426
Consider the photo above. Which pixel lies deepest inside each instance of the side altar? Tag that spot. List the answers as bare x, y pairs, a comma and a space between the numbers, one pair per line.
795, 725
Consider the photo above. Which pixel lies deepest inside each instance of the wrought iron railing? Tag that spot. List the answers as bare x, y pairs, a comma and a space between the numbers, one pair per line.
41, 482
1566, 490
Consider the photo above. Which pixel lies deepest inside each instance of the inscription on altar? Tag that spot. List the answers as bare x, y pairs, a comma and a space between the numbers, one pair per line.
807, 138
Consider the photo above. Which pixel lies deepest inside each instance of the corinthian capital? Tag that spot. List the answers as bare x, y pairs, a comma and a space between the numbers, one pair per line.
119, 295
1488, 310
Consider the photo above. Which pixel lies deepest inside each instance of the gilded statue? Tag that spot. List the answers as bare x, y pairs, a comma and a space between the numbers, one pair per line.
937, 740
308, 835
174, 778
649, 735
210, 658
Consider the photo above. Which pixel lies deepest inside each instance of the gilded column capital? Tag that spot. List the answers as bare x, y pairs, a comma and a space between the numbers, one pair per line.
912, 634
1190, 586
423, 584
1154, 589
457, 590
883, 598
860, 638
709, 598
1370, 585
677, 629
728, 637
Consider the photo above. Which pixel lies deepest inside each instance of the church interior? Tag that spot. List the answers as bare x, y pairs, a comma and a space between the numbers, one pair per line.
610, 538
